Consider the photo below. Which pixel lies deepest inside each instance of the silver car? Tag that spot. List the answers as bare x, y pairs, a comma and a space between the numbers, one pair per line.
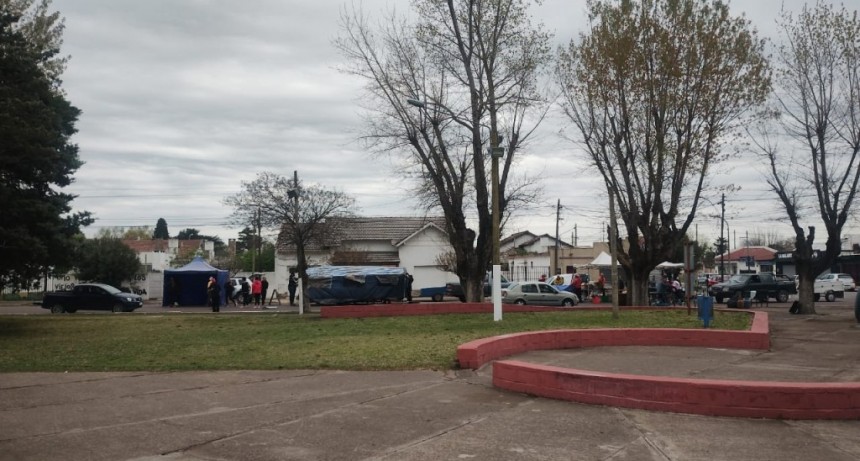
537, 293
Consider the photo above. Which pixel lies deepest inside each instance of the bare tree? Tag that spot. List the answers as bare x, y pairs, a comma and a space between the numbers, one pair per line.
818, 108
472, 69
654, 91
764, 237
298, 212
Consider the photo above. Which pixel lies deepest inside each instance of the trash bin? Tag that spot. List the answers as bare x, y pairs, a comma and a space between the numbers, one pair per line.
705, 308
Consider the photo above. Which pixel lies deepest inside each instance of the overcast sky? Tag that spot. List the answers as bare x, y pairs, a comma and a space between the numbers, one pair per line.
183, 100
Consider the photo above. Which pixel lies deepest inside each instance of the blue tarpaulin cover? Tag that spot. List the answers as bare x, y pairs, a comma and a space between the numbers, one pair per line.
356, 284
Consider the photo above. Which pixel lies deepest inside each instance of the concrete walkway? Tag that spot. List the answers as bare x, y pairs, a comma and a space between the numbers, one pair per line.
428, 415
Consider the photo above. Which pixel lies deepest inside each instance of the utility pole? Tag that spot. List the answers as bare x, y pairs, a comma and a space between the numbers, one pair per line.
575, 236
723, 241
300, 269
496, 152
256, 241
557, 219
613, 250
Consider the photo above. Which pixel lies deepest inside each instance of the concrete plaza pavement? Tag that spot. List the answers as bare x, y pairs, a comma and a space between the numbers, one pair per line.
430, 415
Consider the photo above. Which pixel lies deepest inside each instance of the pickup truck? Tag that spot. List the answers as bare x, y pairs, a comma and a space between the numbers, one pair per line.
765, 285
829, 288
454, 289
97, 296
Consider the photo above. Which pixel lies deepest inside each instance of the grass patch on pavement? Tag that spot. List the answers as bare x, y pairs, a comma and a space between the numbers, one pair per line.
178, 342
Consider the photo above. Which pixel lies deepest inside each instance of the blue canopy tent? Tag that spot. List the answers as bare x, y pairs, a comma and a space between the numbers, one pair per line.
356, 284
186, 286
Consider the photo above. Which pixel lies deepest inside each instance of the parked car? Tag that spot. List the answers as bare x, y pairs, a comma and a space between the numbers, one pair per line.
456, 290
828, 287
714, 279
538, 293
95, 296
846, 279
704, 277
766, 285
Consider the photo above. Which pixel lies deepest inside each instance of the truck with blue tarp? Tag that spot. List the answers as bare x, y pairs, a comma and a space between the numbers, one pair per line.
356, 284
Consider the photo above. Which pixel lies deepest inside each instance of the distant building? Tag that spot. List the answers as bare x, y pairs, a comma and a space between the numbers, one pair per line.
416, 244
157, 254
751, 259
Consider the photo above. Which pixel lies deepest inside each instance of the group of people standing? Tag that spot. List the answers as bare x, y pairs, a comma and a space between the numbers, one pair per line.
248, 292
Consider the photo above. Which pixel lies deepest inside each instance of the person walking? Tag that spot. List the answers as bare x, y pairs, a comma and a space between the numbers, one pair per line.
256, 290
292, 284
265, 284
214, 292
228, 293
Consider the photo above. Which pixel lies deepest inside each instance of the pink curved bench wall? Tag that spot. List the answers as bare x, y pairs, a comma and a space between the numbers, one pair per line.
758, 399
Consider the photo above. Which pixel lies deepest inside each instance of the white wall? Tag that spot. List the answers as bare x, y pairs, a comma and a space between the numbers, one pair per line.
158, 260
283, 263
418, 255
149, 286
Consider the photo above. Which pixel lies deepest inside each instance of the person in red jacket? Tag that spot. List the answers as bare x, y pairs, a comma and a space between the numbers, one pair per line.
256, 290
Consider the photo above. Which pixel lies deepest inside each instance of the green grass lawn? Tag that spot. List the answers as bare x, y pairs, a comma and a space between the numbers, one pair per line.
284, 341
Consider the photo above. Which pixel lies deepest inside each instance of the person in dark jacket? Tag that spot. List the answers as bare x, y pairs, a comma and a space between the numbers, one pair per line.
265, 284
228, 293
245, 291
292, 284
214, 292
409, 280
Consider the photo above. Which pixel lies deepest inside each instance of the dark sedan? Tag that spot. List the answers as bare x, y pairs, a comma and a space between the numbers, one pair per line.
94, 296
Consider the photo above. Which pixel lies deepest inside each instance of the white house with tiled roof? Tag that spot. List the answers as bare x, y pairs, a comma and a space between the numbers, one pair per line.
530, 252
411, 243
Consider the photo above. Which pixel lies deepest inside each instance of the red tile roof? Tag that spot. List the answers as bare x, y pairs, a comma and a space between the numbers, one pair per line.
758, 253
160, 245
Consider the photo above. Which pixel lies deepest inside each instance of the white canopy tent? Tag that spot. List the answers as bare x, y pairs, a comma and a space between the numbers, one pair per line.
602, 260
670, 265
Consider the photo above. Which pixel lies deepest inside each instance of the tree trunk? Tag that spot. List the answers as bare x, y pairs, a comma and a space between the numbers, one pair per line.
302, 267
806, 292
638, 288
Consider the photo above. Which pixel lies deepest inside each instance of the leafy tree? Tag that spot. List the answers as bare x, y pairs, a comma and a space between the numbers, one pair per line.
43, 31
264, 262
654, 91
247, 237
138, 232
298, 212
114, 232
106, 260
474, 68
189, 234
818, 103
161, 230
37, 227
